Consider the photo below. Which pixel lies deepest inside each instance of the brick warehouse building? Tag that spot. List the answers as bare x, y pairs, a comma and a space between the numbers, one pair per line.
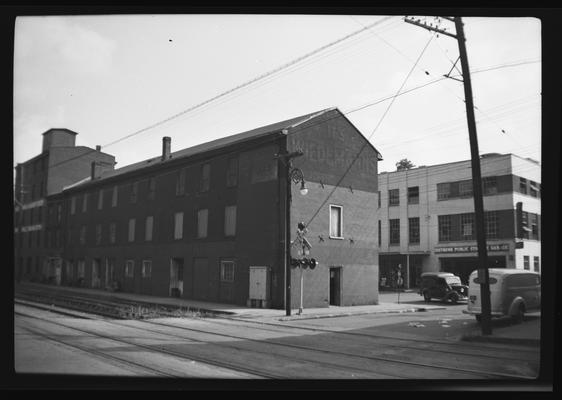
60, 163
426, 217
195, 223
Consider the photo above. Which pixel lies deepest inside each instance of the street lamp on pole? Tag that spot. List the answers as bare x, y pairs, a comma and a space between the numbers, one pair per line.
294, 175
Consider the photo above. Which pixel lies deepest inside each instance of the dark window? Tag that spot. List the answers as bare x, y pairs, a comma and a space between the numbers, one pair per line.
414, 230
151, 188
444, 228
100, 199
525, 222
232, 172
414, 195
536, 264
526, 262
114, 196
443, 191
134, 192
465, 188
491, 224
180, 182
394, 231
467, 226
205, 178
227, 271
523, 185
98, 234
534, 234
380, 233
533, 189
393, 197
490, 185
379, 199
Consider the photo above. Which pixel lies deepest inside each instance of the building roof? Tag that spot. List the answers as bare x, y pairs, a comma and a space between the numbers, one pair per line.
278, 128
60, 129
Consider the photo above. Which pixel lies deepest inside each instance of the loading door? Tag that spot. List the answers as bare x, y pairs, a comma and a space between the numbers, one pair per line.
176, 277
335, 286
201, 278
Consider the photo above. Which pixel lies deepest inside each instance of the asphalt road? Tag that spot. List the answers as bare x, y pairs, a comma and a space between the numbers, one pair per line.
422, 345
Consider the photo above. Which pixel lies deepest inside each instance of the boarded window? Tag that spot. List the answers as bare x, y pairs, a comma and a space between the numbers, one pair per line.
178, 225
131, 235
134, 192
100, 199
98, 233
205, 178
112, 232
130, 268
232, 172
146, 268
202, 222
180, 182
148, 228
230, 220
151, 188
114, 196
336, 221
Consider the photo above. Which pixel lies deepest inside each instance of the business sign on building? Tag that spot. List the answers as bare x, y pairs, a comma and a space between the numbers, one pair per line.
471, 249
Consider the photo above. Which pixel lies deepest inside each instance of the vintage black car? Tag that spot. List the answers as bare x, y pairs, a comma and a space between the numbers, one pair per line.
443, 286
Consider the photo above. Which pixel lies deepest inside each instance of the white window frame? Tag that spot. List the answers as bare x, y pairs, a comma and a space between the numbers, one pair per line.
131, 231
148, 226
230, 213
178, 226
202, 223
340, 227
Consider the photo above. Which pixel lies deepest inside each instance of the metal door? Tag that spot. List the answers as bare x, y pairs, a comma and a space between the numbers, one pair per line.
201, 278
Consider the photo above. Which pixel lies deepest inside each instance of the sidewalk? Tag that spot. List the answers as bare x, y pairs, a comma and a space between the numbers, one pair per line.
388, 303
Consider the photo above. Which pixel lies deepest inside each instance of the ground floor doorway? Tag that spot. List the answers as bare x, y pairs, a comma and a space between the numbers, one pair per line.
176, 277
335, 286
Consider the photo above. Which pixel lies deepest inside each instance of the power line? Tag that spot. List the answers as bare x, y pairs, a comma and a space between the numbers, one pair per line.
374, 130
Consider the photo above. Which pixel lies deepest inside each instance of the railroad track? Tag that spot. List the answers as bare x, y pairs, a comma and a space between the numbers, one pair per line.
298, 352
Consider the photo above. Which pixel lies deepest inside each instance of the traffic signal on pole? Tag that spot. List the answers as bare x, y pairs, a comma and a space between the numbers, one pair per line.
294, 262
312, 263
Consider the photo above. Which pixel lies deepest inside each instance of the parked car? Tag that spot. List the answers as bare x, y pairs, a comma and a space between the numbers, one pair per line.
513, 292
444, 286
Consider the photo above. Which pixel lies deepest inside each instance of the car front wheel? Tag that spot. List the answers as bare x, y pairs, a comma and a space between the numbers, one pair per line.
426, 297
519, 315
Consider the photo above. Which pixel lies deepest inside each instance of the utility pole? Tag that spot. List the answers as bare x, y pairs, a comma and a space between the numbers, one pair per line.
483, 274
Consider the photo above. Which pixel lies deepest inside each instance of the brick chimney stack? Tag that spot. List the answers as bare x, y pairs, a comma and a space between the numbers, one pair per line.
166, 147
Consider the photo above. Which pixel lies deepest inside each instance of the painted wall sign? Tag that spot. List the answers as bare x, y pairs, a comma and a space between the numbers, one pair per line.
471, 249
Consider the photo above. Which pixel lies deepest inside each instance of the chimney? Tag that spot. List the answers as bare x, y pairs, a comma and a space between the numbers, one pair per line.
93, 171
166, 147
98, 148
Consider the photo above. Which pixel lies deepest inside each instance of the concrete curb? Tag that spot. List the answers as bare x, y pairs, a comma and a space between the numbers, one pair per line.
349, 314
501, 339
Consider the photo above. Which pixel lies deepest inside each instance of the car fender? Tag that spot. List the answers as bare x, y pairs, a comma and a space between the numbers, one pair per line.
515, 304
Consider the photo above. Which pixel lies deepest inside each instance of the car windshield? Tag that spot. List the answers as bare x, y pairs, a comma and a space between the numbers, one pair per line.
453, 280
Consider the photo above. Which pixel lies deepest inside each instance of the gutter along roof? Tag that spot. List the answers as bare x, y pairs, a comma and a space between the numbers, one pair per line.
278, 128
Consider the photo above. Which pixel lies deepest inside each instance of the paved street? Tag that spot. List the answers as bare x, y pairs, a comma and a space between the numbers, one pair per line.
418, 345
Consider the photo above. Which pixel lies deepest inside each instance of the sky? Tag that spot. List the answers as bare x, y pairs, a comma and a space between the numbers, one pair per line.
141, 77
